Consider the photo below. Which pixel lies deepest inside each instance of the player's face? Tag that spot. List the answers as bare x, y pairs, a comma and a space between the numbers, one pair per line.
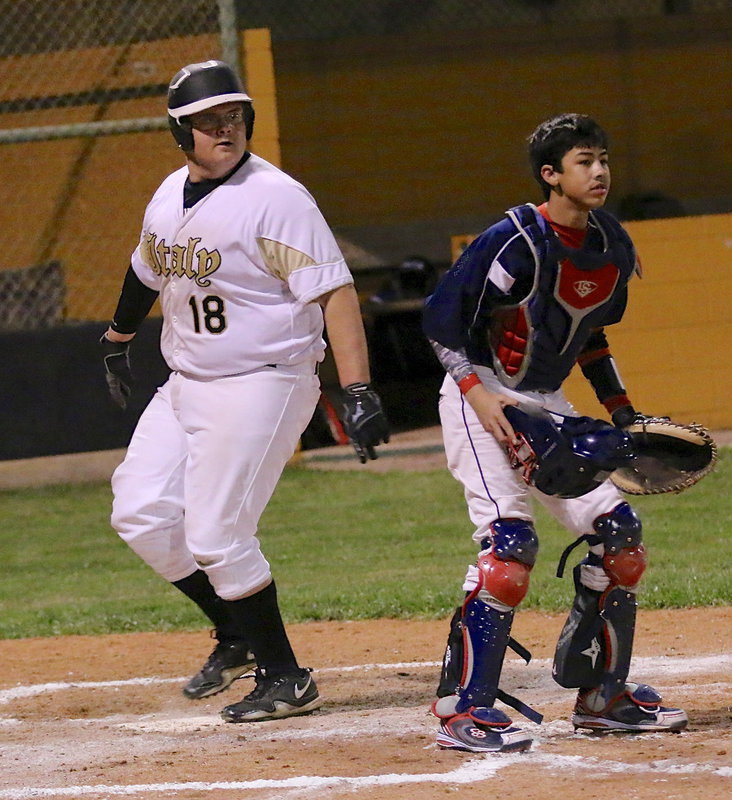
219, 138
585, 177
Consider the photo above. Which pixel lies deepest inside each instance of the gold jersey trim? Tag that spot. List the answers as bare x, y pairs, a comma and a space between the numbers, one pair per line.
281, 259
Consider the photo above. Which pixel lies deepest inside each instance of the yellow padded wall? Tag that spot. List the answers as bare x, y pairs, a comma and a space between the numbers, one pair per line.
673, 346
260, 80
394, 129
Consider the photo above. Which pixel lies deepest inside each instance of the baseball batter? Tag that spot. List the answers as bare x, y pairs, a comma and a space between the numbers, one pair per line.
528, 299
247, 272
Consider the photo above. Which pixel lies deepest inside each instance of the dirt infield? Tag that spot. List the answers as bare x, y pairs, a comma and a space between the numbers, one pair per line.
103, 717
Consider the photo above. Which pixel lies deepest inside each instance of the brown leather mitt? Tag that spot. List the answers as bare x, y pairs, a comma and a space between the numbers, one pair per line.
669, 457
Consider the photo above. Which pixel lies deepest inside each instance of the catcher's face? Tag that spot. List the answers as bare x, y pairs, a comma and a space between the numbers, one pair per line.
220, 140
584, 179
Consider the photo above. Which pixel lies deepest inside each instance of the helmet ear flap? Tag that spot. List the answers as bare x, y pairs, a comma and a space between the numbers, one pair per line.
182, 131
248, 119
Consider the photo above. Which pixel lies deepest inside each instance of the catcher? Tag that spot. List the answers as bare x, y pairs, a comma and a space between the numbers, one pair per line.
528, 299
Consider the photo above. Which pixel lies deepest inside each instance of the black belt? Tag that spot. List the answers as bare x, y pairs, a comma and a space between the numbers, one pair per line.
316, 371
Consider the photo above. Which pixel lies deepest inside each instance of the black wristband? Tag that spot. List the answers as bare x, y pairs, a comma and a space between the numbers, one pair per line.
355, 389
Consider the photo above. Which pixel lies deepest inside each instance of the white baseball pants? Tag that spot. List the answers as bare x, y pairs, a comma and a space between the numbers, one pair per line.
201, 467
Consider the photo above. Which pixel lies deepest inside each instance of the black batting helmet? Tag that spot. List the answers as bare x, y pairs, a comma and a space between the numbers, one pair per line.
198, 87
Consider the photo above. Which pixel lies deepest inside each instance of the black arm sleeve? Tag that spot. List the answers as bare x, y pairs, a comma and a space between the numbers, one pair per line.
135, 302
598, 366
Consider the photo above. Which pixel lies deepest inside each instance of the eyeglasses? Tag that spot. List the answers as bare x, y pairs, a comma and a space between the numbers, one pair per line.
213, 122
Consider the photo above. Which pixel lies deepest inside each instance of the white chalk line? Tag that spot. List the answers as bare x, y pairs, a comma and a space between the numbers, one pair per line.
477, 769
658, 665
372, 721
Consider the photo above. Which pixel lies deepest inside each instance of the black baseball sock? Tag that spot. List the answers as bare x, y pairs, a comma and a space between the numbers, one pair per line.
259, 616
198, 588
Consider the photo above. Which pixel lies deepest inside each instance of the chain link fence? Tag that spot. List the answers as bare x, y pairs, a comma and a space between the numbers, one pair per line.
84, 142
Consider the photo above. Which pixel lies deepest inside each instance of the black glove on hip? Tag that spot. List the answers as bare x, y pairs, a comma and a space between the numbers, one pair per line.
364, 420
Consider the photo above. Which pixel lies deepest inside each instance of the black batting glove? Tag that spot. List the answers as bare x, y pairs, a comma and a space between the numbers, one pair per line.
364, 420
117, 369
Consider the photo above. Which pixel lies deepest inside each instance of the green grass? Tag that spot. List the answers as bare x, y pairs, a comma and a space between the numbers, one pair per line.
343, 545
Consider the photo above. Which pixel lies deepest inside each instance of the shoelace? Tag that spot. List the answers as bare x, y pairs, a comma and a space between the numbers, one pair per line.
264, 685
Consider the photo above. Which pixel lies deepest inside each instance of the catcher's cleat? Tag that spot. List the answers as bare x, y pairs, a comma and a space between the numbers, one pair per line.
482, 730
275, 698
638, 708
229, 660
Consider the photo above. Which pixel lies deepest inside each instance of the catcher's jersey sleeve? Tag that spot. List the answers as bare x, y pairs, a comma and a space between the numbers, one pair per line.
239, 272
496, 267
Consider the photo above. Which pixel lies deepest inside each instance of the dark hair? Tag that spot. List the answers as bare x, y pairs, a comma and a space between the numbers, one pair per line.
555, 137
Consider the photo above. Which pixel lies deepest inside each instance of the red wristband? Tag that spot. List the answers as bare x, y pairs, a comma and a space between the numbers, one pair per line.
616, 402
467, 383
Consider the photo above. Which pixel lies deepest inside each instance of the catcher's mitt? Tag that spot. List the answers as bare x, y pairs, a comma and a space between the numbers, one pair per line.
669, 457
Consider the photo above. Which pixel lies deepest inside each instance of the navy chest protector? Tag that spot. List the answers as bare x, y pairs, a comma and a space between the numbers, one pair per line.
535, 343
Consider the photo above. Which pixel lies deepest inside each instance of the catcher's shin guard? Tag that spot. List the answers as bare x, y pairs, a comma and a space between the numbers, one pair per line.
486, 637
480, 629
596, 643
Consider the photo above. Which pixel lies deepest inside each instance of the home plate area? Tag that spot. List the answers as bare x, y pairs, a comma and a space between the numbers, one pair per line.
103, 717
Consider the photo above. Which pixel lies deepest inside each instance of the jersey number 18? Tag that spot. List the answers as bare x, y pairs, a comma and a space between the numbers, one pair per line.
212, 311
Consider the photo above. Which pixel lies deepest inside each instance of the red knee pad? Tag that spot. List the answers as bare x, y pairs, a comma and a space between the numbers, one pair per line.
626, 567
507, 581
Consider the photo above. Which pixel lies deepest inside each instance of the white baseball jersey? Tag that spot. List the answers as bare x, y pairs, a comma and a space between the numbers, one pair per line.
237, 273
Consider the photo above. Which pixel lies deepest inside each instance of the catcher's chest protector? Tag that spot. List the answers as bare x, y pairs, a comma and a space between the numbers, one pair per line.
535, 343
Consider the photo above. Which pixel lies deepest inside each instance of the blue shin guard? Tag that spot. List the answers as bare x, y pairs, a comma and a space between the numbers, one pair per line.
486, 635
477, 646
468, 720
595, 645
